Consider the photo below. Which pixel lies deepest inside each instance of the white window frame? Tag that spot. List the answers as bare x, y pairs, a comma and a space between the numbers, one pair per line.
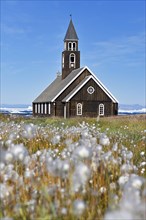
74, 48
79, 108
90, 90
38, 108
49, 108
63, 61
72, 64
64, 111
45, 109
71, 46
101, 109
42, 108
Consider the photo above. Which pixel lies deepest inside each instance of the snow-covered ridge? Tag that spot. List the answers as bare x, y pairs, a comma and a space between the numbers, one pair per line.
139, 111
27, 109
16, 110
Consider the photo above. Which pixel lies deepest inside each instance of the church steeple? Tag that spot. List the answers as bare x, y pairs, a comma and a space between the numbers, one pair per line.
70, 55
71, 32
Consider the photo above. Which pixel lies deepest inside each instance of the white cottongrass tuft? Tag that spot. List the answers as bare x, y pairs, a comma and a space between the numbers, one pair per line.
78, 207
19, 151
104, 140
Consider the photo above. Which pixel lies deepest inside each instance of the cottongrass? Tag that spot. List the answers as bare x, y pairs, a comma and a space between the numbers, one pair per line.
71, 172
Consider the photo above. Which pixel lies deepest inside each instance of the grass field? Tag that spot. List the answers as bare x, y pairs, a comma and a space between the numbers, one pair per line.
74, 169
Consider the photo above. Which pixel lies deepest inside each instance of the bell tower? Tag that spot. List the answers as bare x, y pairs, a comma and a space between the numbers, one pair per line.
70, 55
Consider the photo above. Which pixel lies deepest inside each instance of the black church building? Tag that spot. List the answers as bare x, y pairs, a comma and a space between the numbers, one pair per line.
76, 92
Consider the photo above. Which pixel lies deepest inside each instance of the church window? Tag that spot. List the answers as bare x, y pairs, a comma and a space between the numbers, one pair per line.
72, 60
101, 109
49, 109
42, 108
69, 46
90, 90
64, 45
39, 108
79, 109
63, 61
74, 46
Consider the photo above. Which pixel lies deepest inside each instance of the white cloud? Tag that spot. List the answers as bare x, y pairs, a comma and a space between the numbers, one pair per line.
7, 29
130, 49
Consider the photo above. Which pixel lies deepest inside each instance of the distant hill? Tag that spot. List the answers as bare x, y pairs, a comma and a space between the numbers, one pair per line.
14, 105
131, 107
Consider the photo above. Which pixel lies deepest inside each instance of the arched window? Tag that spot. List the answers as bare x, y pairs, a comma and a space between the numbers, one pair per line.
72, 60
63, 61
69, 46
101, 109
72, 46
79, 109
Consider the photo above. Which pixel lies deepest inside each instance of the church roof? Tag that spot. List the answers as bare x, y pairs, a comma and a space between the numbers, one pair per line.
57, 87
71, 32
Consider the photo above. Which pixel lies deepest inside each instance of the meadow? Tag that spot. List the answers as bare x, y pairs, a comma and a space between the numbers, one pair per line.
73, 169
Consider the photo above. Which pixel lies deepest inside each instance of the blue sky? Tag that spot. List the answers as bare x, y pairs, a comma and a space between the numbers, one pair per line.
111, 40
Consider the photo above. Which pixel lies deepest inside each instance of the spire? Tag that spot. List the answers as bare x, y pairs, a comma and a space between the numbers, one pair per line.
71, 32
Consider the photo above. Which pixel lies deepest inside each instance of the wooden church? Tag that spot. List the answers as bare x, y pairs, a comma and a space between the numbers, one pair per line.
77, 92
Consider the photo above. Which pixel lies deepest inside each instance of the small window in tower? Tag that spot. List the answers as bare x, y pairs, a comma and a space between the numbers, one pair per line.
63, 61
74, 46
69, 46
72, 60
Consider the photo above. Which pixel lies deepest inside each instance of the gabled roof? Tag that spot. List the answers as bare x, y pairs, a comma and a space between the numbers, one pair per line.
77, 88
82, 83
71, 32
57, 87
103, 87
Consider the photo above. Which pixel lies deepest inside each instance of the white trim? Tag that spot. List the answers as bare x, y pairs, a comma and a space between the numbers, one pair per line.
39, 108
95, 79
79, 108
49, 109
69, 48
42, 108
103, 87
79, 88
68, 84
97, 82
90, 90
72, 64
63, 60
65, 111
101, 109
35, 108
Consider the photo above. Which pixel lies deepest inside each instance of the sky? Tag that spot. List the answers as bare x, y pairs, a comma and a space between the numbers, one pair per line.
111, 42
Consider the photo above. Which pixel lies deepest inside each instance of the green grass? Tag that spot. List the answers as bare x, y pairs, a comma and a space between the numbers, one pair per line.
127, 131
